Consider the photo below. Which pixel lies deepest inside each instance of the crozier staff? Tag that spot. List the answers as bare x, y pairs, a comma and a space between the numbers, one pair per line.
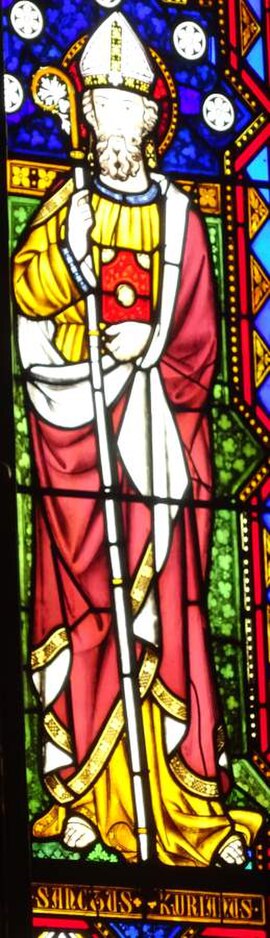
134, 235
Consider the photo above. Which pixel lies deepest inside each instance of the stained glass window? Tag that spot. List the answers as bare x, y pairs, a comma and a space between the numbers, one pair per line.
138, 200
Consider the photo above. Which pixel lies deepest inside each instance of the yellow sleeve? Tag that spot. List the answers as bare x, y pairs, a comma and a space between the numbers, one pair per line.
42, 284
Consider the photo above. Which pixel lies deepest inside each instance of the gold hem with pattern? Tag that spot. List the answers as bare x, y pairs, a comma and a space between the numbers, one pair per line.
173, 706
205, 788
89, 771
142, 580
44, 653
189, 828
49, 649
57, 732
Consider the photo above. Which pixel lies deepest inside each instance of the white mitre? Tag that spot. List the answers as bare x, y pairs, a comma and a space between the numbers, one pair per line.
114, 57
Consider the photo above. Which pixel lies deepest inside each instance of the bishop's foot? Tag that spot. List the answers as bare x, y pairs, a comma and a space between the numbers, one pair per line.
232, 851
79, 833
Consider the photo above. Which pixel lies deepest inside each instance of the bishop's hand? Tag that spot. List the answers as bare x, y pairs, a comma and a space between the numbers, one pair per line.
80, 222
126, 341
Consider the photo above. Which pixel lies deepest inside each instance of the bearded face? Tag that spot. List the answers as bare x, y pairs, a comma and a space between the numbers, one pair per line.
120, 120
119, 158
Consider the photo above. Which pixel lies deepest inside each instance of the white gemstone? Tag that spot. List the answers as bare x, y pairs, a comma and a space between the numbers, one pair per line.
218, 112
26, 19
189, 40
13, 93
115, 79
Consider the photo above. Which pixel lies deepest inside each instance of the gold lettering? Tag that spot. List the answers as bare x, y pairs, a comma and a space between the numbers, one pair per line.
172, 904
230, 907
92, 905
212, 907
70, 899
82, 900
192, 906
166, 909
57, 898
245, 908
98, 901
179, 904
201, 905
126, 904
41, 898
112, 905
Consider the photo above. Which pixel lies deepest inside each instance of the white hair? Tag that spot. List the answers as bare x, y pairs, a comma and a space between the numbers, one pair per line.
150, 115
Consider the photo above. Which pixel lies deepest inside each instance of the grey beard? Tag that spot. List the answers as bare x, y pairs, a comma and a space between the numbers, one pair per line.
118, 159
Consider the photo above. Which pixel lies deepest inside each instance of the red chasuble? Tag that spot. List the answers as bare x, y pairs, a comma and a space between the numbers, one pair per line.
74, 648
72, 569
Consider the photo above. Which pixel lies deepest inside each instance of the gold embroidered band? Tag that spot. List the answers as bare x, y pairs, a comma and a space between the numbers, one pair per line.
175, 707
46, 652
58, 791
198, 786
147, 672
57, 732
116, 48
104, 81
55, 202
142, 580
94, 764
89, 771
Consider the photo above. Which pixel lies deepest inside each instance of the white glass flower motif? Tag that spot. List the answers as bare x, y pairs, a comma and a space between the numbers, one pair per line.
13, 93
189, 40
26, 19
53, 93
62, 934
218, 112
108, 4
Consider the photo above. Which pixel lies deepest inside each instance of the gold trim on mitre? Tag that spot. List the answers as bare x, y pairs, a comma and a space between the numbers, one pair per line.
193, 783
47, 651
105, 81
114, 57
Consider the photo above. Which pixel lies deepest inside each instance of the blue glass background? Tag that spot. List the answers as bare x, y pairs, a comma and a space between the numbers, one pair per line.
148, 930
195, 145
